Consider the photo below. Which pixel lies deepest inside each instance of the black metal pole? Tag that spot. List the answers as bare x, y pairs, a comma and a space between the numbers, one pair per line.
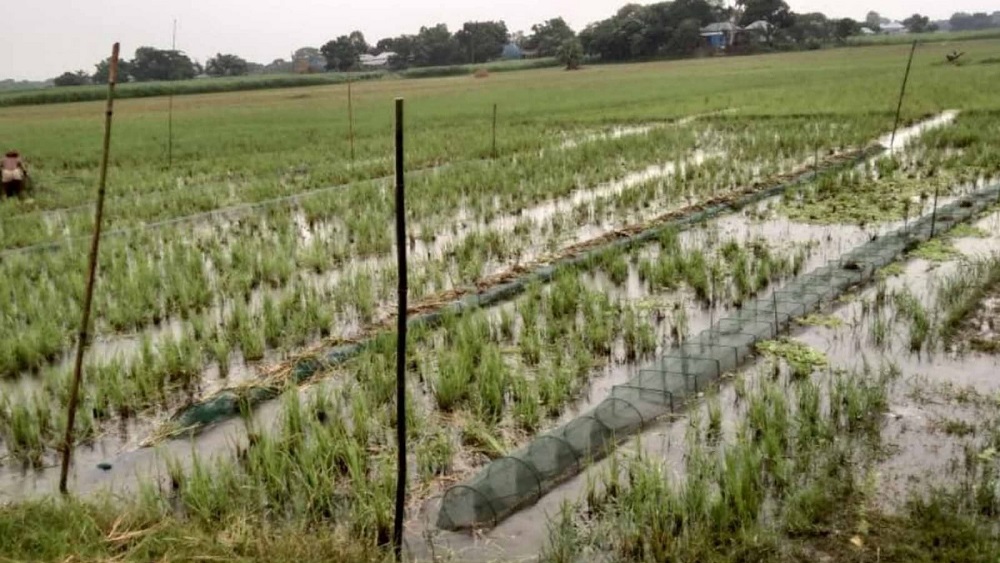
934, 212
397, 536
902, 91
81, 345
774, 296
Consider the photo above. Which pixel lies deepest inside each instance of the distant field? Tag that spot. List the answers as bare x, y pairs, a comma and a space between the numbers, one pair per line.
940, 37
55, 95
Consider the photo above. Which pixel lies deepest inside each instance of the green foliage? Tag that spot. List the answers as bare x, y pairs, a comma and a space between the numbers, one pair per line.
802, 358
549, 37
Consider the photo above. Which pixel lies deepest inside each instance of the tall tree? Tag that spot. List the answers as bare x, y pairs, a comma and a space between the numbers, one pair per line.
845, 28
226, 65
873, 20
78, 78
482, 41
917, 23
570, 53
103, 69
774, 12
151, 63
811, 29
661, 29
343, 52
436, 46
963, 21
548, 36
405, 48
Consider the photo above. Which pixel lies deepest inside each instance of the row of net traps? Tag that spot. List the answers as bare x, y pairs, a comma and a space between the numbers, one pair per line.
665, 385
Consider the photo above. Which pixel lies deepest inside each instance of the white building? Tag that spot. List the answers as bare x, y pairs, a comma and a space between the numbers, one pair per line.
380, 60
893, 28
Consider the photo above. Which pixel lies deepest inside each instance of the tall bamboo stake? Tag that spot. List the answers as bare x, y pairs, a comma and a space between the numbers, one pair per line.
74, 395
350, 115
397, 534
170, 108
493, 153
902, 91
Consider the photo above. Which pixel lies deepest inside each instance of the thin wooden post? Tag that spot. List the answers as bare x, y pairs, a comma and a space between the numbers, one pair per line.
74, 394
902, 91
397, 535
170, 107
350, 114
493, 152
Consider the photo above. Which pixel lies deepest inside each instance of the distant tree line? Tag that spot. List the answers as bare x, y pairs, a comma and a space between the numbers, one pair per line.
664, 29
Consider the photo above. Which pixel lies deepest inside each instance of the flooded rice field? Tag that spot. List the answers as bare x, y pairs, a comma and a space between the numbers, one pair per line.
251, 297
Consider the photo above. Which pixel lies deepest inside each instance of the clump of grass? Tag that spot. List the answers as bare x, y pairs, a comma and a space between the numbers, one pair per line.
892, 270
825, 321
965, 230
936, 250
909, 307
802, 358
959, 294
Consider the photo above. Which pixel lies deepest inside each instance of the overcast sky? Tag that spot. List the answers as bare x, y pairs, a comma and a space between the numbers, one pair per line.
43, 38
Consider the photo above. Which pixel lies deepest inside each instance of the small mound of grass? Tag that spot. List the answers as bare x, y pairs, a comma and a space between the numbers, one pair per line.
967, 231
826, 321
936, 250
892, 270
802, 358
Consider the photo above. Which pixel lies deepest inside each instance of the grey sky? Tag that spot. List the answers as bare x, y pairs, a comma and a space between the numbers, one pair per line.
46, 37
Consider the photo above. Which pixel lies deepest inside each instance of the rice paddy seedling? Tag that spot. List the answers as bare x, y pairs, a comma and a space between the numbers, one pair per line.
527, 408
434, 455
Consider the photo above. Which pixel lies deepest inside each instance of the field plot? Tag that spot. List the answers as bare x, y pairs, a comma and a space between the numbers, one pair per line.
243, 370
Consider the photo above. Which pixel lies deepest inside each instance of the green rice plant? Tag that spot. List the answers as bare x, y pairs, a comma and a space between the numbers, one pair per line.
478, 436
434, 455
639, 336
506, 324
911, 309
618, 269
713, 432
527, 409
491, 383
695, 271
679, 327
454, 380
530, 345
220, 351
251, 342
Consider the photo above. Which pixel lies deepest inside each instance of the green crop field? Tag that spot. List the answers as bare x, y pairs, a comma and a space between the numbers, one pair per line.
622, 210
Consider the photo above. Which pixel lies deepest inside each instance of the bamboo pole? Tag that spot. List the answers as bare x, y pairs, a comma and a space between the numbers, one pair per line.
170, 108
902, 91
493, 152
350, 115
81, 344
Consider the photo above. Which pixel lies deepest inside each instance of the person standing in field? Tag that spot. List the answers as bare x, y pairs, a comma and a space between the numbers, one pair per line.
12, 174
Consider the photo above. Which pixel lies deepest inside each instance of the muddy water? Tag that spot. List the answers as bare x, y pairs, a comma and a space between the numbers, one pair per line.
908, 134
620, 131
